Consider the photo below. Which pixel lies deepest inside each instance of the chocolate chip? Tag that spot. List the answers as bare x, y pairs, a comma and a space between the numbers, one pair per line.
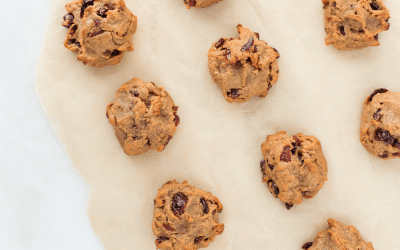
271, 167
220, 43
257, 35
248, 45
135, 93
384, 135
376, 92
288, 206
228, 54
234, 93
177, 120
205, 205
115, 53
161, 239
376, 115
192, 3
168, 227
307, 245
103, 10
197, 240
285, 156
385, 155
272, 185
374, 6
85, 4
179, 203
341, 28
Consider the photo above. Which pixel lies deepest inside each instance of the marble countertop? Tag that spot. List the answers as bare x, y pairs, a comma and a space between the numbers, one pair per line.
42, 197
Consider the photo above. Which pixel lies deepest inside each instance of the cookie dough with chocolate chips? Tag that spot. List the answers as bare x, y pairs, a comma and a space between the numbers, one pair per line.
293, 167
380, 124
199, 3
144, 117
354, 24
338, 237
100, 31
185, 218
243, 67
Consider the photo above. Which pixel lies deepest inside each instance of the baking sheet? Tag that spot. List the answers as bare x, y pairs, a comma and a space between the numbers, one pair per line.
217, 146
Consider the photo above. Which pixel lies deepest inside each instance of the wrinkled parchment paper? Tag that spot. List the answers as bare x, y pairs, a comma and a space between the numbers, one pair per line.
217, 146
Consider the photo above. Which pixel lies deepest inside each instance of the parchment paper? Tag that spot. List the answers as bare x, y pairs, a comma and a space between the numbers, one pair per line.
217, 146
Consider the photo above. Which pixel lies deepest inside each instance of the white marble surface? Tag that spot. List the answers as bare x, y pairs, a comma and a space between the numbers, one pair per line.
43, 199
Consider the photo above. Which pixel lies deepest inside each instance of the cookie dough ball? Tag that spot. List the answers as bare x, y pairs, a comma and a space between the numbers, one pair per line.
100, 31
185, 218
243, 67
199, 3
144, 117
380, 124
338, 237
293, 167
354, 24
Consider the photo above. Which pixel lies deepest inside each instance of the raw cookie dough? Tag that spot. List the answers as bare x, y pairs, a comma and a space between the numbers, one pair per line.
185, 218
354, 24
243, 67
293, 167
100, 31
338, 237
380, 124
144, 117
199, 3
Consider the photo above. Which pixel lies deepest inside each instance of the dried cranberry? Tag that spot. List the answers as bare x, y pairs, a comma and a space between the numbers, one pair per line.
192, 3
135, 93
384, 135
376, 92
376, 115
248, 45
307, 245
272, 185
234, 93
197, 240
85, 4
177, 120
161, 239
220, 43
374, 6
179, 203
168, 227
205, 205
341, 28
288, 206
285, 156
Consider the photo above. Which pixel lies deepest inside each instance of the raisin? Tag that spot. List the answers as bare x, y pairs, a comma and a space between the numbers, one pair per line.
384, 135
285, 156
197, 240
103, 10
255, 49
179, 203
262, 164
135, 93
234, 93
384, 155
115, 53
271, 167
78, 44
192, 3
72, 30
396, 154
177, 120
300, 156
334, 4
272, 185
376, 115
288, 206
161, 239
257, 35
109, 118
277, 52
71, 41
376, 37
220, 43
307, 245
69, 17
307, 194
396, 143
175, 108
85, 4
214, 212
341, 28
228, 54
205, 205
269, 86
169, 138
248, 45
95, 32
376, 92
168, 227
374, 6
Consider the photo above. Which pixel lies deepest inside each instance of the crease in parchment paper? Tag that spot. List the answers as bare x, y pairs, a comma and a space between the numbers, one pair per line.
320, 92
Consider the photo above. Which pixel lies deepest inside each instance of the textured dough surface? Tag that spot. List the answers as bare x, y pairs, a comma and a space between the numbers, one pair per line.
339, 237
185, 218
243, 67
199, 3
293, 167
380, 124
144, 117
100, 31
354, 24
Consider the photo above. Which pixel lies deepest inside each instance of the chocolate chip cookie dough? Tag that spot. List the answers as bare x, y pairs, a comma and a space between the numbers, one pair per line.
100, 31
199, 3
144, 117
380, 124
338, 237
354, 24
293, 167
185, 218
243, 67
